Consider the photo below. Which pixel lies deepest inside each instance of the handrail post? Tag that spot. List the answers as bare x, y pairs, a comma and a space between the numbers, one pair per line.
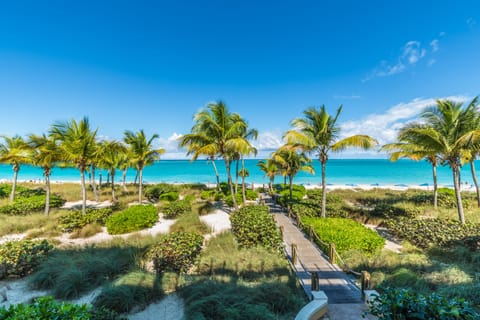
294, 253
332, 253
310, 232
281, 231
365, 282
297, 218
315, 281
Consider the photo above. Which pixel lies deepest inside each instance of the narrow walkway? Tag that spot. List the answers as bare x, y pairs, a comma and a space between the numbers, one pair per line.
334, 282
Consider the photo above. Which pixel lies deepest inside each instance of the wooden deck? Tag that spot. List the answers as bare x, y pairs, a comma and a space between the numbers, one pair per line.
338, 287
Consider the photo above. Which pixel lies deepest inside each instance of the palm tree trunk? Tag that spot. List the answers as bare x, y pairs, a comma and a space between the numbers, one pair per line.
474, 177
136, 178
124, 180
244, 197
84, 190
290, 179
113, 185
236, 176
435, 186
458, 196
324, 190
140, 184
216, 173
14, 184
230, 184
47, 191
94, 183
270, 185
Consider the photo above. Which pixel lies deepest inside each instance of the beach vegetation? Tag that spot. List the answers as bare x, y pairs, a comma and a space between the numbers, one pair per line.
318, 132
254, 226
270, 168
76, 220
155, 191
132, 219
20, 258
175, 251
28, 205
189, 222
203, 207
15, 151
176, 208
141, 153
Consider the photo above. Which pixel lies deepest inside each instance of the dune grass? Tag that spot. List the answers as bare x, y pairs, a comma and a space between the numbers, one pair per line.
36, 222
189, 222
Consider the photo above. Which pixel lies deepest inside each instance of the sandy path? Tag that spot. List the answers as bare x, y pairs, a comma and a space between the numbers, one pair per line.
218, 221
390, 243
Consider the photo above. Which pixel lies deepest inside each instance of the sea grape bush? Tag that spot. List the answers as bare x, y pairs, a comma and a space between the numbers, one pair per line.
154, 192
169, 196
175, 251
254, 226
77, 220
399, 304
346, 234
426, 232
26, 205
132, 219
249, 195
20, 258
176, 208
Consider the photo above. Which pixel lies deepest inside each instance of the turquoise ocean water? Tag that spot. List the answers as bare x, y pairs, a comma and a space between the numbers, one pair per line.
339, 171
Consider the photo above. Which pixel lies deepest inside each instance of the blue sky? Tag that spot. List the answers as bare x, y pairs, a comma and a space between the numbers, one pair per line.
152, 64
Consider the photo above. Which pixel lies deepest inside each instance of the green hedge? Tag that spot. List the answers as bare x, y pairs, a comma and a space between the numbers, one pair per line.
77, 220
249, 195
175, 251
406, 304
20, 258
176, 208
26, 205
426, 232
154, 192
254, 226
48, 308
346, 234
132, 219
170, 196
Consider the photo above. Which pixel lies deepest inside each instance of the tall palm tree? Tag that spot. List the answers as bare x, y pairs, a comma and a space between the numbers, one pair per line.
142, 153
112, 154
270, 168
77, 143
216, 133
292, 163
45, 153
318, 132
449, 132
409, 147
15, 151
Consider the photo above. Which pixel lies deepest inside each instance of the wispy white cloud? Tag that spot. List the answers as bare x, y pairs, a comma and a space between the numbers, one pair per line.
172, 149
345, 97
435, 45
384, 126
431, 62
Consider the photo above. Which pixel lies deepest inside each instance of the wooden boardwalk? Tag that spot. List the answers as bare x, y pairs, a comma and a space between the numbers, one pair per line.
338, 287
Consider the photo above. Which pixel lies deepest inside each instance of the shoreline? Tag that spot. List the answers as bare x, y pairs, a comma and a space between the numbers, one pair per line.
349, 186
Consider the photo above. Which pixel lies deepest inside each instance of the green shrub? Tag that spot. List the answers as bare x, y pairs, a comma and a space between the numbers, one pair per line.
210, 194
203, 208
175, 251
21, 191
23, 206
284, 198
169, 196
254, 226
426, 232
154, 192
77, 220
189, 222
249, 195
19, 258
406, 304
48, 308
176, 208
132, 219
346, 234
385, 210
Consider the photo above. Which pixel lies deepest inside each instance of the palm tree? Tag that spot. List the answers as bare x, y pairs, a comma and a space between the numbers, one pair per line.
270, 168
318, 132
45, 153
216, 133
449, 132
142, 153
77, 143
408, 147
15, 151
292, 163
112, 154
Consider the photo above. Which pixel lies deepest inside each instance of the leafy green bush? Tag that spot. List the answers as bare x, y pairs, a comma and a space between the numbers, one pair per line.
76, 219
132, 219
170, 196
175, 251
21, 191
154, 192
426, 232
23, 206
19, 258
254, 226
406, 304
48, 308
385, 210
346, 234
249, 195
176, 208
